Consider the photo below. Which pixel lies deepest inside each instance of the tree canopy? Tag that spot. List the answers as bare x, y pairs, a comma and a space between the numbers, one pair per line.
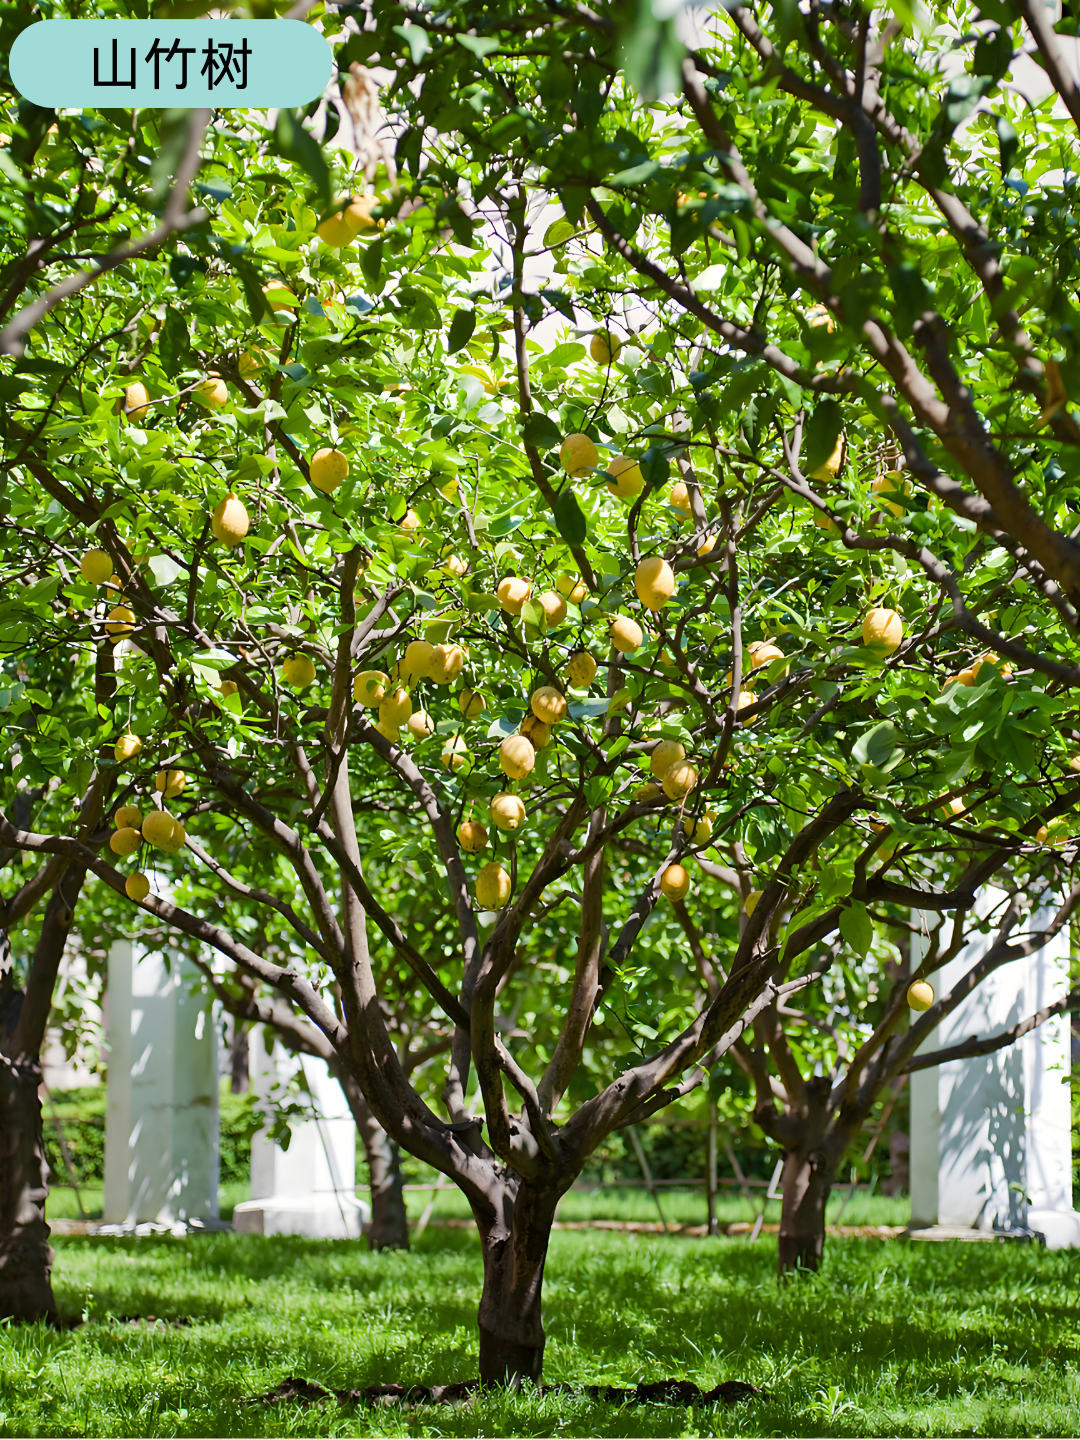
631, 482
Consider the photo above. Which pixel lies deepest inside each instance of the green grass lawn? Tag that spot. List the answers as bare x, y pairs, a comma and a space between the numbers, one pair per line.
680, 1206
891, 1338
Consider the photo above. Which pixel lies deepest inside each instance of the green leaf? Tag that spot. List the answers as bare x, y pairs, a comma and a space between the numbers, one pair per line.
416, 38
461, 330
174, 344
534, 614
570, 519
822, 432
876, 745
506, 523
541, 432
371, 261
651, 51
857, 928
294, 143
478, 45
1008, 144
175, 128
558, 232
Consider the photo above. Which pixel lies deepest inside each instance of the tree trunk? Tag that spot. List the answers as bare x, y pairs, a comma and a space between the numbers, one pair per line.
239, 1058
26, 1256
389, 1227
515, 1243
807, 1185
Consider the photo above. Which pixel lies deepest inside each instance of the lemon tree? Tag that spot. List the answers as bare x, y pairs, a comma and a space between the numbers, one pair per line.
555, 601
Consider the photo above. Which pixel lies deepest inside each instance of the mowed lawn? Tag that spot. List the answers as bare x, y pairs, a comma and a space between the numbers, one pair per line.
891, 1339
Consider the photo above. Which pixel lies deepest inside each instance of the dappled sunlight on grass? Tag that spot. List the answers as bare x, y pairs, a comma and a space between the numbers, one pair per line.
891, 1339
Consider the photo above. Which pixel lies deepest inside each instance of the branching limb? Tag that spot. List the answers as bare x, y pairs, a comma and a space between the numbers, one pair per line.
175, 219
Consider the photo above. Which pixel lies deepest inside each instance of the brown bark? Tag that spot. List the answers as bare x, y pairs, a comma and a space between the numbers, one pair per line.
514, 1238
389, 1226
816, 1143
26, 1256
807, 1184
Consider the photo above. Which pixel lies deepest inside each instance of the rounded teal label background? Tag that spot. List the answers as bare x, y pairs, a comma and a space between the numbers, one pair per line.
170, 64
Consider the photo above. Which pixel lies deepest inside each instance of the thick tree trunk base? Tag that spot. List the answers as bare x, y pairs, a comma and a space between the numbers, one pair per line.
808, 1177
389, 1225
26, 1257
507, 1362
515, 1243
801, 1252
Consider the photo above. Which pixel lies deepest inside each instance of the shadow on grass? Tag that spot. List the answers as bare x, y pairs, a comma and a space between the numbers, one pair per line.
889, 1339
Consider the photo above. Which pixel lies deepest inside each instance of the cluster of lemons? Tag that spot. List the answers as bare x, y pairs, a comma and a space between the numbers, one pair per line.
158, 828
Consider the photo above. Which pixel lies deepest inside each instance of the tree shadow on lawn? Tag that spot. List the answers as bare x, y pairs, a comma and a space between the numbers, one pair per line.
617, 1309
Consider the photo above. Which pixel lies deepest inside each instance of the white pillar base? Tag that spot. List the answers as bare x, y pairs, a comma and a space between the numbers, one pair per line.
1059, 1229
319, 1217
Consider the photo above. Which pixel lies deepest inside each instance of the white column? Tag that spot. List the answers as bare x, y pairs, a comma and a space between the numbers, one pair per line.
991, 1142
161, 1119
310, 1188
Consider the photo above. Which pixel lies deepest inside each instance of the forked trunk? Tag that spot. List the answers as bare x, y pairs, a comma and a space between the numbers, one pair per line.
389, 1226
26, 1256
807, 1184
515, 1244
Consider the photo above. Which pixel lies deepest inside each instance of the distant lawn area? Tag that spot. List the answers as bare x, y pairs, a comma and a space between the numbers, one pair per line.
893, 1338
680, 1206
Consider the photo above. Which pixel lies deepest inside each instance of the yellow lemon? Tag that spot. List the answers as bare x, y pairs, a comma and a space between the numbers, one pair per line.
664, 754
920, 995
537, 732
548, 705
577, 454
679, 498
654, 582
421, 725
136, 398
675, 883
516, 756
95, 567
298, 671
574, 589
580, 670
369, 687
327, 470
679, 779
212, 393
395, 707
604, 347
455, 753
170, 782
554, 608
447, 663
125, 841
507, 811
127, 747
626, 634
229, 520
137, 886
882, 630
472, 836
493, 886
626, 477
513, 592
